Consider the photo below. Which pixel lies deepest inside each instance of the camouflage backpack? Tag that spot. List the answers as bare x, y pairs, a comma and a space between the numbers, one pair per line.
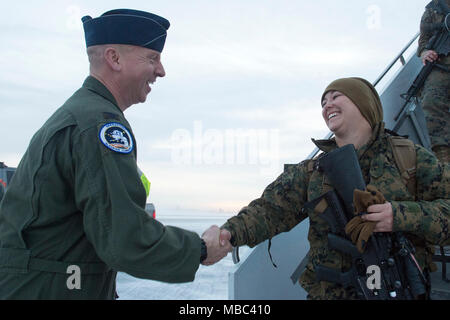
405, 158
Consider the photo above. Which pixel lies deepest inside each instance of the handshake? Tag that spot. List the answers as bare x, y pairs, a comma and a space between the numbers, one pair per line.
217, 244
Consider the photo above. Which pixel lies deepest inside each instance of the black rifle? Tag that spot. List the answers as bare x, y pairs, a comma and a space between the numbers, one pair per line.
440, 43
400, 276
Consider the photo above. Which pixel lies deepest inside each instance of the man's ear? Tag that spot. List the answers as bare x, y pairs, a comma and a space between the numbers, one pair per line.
113, 58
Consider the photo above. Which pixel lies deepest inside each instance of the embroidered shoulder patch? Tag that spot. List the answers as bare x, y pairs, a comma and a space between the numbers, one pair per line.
116, 137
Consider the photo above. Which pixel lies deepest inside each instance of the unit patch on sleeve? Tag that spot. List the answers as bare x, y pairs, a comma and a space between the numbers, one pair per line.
116, 137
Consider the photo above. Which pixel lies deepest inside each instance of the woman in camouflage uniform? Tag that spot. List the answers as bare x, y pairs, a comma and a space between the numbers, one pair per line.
352, 110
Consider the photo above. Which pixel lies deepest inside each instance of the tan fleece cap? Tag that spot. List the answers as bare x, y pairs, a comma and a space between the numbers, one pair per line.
363, 95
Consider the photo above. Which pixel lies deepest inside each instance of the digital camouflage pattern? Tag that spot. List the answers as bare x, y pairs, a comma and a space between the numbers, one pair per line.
435, 101
426, 221
430, 16
435, 94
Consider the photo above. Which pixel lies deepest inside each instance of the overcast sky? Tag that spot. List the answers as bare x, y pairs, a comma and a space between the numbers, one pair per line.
241, 95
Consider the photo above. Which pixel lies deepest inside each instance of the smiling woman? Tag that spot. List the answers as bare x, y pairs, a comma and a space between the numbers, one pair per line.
351, 109
345, 120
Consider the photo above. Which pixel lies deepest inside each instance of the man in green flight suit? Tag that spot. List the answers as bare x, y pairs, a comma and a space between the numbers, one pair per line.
74, 214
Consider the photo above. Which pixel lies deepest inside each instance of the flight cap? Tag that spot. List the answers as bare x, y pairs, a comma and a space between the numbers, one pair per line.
126, 26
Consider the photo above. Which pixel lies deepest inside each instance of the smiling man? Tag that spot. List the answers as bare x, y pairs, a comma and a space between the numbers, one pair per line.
127, 71
74, 214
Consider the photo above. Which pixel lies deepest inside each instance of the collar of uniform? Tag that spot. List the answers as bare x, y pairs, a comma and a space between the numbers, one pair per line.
96, 86
328, 145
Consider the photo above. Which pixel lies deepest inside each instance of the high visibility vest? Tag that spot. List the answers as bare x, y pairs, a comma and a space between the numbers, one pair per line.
145, 182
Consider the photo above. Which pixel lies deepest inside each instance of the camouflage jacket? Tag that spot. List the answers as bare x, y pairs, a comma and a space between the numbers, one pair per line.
430, 16
279, 209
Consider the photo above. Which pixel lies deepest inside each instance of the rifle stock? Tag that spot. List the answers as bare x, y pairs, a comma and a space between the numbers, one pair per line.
341, 167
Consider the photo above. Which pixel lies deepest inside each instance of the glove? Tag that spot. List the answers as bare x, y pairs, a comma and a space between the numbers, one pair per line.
358, 229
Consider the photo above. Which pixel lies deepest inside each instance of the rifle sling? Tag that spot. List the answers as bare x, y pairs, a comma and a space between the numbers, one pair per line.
442, 67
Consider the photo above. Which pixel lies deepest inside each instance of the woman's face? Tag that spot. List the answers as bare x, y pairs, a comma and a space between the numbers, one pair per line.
341, 115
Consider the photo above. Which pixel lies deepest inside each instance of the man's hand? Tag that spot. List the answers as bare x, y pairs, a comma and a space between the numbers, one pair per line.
429, 55
217, 246
383, 215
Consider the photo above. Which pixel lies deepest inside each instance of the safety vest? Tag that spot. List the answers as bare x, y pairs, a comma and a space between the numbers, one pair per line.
144, 181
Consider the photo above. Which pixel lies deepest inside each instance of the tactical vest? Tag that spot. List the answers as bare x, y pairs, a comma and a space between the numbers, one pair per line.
404, 153
405, 158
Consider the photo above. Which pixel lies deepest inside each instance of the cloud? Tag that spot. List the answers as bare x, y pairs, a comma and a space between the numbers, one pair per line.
256, 59
234, 65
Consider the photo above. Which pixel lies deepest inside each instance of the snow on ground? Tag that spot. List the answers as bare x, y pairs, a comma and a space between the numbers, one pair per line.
210, 282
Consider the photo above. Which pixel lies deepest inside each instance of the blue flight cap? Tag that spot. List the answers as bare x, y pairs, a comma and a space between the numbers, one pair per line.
126, 26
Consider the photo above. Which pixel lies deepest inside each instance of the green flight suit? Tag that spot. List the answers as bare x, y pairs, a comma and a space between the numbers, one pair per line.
75, 201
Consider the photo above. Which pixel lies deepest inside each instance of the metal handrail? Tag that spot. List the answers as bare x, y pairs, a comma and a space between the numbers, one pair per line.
399, 56
235, 253
380, 77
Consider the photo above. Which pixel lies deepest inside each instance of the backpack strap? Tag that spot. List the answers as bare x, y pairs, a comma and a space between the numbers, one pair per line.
404, 153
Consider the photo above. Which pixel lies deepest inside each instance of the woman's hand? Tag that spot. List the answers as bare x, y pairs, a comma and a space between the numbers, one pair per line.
383, 215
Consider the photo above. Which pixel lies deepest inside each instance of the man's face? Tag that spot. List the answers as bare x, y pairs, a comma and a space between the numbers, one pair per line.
141, 67
340, 114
